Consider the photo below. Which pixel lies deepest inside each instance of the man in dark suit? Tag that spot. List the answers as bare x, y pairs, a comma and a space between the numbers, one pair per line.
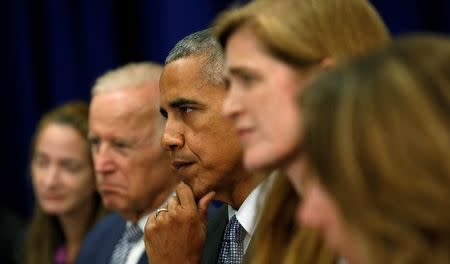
207, 158
133, 172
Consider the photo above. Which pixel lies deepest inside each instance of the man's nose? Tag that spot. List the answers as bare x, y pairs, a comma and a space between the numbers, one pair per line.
103, 160
172, 137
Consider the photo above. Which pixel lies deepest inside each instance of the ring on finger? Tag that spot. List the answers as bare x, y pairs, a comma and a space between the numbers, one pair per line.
159, 210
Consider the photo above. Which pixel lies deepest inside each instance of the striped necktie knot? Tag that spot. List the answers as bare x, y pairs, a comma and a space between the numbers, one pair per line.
131, 235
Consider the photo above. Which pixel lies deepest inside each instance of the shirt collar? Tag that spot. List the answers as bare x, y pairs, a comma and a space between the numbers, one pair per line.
248, 213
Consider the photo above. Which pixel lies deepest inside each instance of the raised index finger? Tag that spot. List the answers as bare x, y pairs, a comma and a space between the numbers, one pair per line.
186, 196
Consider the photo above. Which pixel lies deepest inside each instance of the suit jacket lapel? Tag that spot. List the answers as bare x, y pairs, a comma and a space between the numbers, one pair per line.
215, 229
109, 244
143, 259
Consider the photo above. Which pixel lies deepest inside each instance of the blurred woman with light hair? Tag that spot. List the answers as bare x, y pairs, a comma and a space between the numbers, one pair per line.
62, 173
377, 173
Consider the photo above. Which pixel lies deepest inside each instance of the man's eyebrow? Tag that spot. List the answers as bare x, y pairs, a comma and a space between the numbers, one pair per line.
182, 102
237, 70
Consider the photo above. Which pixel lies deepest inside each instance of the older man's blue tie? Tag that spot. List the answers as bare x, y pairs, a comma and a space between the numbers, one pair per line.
131, 235
232, 250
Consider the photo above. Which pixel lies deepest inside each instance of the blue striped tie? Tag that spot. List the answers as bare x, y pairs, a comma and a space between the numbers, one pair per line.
131, 235
232, 250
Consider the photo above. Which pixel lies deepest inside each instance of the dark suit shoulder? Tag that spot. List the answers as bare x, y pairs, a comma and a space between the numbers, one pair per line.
104, 225
99, 243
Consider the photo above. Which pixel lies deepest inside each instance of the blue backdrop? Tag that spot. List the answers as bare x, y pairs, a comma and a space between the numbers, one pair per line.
52, 50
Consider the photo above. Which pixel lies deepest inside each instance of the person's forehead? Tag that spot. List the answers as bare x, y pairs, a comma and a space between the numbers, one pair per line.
187, 79
123, 123
193, 68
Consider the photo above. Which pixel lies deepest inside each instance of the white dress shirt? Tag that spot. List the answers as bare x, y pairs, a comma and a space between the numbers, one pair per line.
250, 211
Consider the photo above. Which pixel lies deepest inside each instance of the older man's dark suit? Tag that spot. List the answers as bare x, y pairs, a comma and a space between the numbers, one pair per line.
99, 244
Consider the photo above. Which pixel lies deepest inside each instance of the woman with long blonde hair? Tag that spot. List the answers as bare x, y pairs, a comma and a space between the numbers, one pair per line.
272, 49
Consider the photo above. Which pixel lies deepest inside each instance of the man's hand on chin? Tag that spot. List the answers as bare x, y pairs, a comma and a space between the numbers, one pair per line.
177, 235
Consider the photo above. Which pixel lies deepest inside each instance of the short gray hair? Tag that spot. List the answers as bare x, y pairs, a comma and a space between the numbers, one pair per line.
127, 76
201, 43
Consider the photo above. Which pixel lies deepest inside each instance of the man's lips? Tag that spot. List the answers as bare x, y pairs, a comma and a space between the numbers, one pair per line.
180, 164
108, 187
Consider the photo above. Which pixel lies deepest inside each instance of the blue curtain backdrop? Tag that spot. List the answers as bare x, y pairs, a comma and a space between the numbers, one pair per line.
52, 50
